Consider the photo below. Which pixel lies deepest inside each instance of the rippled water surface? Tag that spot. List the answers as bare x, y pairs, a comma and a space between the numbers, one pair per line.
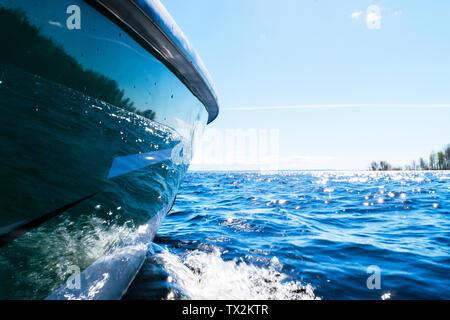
303, 235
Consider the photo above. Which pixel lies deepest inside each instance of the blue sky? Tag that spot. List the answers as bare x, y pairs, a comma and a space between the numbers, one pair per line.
340, 92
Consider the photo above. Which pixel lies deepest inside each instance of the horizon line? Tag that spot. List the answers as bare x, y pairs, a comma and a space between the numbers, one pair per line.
278, 170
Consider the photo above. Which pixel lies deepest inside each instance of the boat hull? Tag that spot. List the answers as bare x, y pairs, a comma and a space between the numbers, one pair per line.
96, 135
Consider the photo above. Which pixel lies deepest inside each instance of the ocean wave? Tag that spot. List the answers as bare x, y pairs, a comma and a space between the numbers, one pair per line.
324, 228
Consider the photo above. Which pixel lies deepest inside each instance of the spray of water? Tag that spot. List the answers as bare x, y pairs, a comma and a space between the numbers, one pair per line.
205, 275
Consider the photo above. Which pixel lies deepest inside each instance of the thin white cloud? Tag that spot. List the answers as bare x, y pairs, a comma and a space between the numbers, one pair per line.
334, 106
357, 14
373, 17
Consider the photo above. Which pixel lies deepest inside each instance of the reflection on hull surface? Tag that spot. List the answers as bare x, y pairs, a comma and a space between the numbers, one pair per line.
67, 152
89, 166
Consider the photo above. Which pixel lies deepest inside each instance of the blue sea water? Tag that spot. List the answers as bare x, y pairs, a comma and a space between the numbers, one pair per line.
303, 235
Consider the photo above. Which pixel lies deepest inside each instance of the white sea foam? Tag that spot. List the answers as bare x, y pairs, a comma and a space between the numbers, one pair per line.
203, 275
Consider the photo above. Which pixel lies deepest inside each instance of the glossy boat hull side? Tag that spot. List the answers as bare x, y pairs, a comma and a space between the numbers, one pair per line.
92, 151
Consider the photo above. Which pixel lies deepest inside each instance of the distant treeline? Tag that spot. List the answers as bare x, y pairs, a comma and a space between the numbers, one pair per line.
436, 161
27, 49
